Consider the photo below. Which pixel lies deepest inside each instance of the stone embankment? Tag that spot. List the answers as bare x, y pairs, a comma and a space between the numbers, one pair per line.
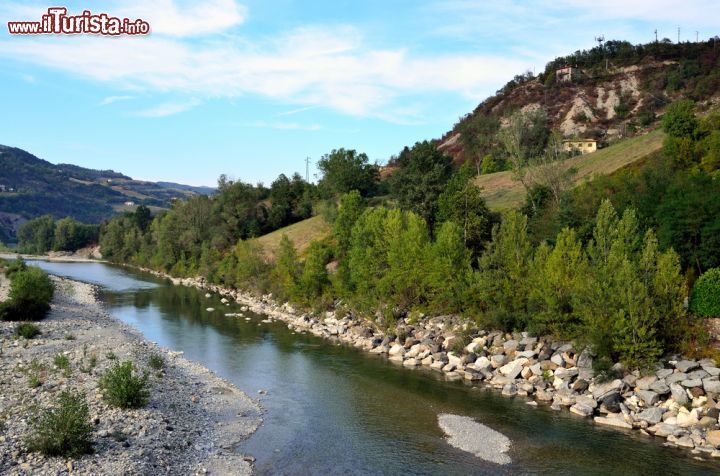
191, 425
678, 401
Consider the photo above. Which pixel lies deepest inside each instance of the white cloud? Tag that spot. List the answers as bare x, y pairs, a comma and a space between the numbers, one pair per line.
28, 78
296, 111
112, 99
285, 125
169, 108
320, 66
168, 17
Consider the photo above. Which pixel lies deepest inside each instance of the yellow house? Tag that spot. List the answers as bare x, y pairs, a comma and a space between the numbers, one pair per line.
585, 146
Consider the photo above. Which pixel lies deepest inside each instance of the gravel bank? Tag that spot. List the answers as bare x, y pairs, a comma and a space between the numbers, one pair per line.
468, 435
192, 424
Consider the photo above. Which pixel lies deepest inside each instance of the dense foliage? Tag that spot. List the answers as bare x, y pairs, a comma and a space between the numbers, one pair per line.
705, 299
605, 272
43, 234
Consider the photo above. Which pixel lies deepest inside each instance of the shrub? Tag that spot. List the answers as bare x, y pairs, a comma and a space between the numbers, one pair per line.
26, 330
14, 266
705, 300
156, 361
121, 388
31, 291
64, 429
31, 284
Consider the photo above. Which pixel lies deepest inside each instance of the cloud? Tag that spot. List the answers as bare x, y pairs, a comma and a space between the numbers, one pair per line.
284, 125
296, 111
112, 99
28, 78
313, 66
169, 108
168, 17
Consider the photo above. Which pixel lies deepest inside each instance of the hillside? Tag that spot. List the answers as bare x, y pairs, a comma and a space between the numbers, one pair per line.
30, 187
300, 233
615, 91
502, 192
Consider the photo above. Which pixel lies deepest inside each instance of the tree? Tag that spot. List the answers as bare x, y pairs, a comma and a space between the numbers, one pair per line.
345, 170
524, 138
286, 272
679, 119
37, 235
462, 203
550, 169
501, 280
421, 178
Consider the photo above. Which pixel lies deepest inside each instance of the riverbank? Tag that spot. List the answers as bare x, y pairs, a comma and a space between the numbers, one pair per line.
679, 401
192, 424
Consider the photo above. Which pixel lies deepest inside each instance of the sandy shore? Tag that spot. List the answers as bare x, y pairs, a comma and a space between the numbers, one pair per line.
192, 424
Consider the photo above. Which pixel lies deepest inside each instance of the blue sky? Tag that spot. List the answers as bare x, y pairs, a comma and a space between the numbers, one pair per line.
251, 88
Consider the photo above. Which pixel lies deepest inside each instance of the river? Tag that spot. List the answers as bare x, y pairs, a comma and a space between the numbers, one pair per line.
332, 409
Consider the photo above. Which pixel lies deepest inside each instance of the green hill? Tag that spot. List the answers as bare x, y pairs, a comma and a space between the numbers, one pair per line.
30, 187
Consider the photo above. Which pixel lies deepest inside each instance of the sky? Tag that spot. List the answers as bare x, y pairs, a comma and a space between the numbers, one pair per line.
252, 88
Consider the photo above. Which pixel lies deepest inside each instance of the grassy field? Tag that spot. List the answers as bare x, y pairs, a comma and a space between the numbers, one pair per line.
502, 192
300, 233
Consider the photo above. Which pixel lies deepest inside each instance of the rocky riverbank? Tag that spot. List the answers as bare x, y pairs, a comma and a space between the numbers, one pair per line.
193, 421
678, 401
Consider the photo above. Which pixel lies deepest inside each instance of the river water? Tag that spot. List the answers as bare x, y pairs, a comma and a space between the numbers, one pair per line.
331, 409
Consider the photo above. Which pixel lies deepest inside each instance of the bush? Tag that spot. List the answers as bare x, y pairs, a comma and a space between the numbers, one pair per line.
705, 300
31, 291
26, 330
31, 285
14, 266
156, 361
121, 388
64, 429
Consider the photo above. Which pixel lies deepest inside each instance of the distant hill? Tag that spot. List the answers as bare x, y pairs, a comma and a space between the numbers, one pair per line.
30, 187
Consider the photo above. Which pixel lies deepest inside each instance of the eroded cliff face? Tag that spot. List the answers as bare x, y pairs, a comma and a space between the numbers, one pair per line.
599, 107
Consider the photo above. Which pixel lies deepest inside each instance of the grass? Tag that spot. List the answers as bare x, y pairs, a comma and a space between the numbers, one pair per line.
26, 330
300, 233
502, 192
62, 362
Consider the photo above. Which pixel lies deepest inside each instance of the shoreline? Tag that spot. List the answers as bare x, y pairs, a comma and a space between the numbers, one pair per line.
679, 402
191, 425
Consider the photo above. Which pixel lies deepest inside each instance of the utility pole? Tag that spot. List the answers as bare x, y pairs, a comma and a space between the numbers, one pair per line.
656, 40
697, 36
678, 35
307, 169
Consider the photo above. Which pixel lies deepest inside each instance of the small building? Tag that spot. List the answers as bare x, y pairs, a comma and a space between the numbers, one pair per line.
584, 146
567, 74
130, 204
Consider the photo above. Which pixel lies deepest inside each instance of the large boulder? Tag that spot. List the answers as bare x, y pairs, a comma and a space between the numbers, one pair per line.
648, 397
513, 369
679, 394
686, 365
652, 415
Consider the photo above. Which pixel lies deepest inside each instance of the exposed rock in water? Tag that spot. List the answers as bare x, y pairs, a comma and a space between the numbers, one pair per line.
468, 435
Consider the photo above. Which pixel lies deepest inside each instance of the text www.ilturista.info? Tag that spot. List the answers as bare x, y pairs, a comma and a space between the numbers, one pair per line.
57, 21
